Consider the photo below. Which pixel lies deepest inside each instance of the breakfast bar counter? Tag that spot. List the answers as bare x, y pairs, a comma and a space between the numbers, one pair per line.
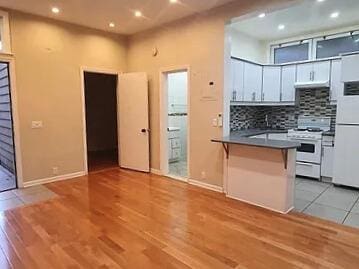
260, 171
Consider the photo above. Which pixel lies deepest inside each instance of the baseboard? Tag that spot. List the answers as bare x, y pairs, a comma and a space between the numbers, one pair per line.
53, 179
156, 171
205, 185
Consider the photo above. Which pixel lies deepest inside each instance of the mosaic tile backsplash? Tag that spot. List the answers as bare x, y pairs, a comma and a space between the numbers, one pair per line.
311, 103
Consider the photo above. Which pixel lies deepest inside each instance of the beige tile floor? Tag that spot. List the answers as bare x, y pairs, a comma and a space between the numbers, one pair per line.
7, 180
19, 197
178, 169
326, 201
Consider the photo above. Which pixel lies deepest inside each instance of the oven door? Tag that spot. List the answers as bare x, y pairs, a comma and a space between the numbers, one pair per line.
310, 150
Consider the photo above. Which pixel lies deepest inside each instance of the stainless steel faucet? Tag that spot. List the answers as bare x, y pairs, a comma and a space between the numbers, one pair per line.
267, 122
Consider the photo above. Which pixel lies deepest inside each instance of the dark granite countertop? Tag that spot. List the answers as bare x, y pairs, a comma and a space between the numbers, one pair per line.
329, 133
253, 132
243, 138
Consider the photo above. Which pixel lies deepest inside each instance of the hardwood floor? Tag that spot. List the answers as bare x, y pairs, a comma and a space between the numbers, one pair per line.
123, 219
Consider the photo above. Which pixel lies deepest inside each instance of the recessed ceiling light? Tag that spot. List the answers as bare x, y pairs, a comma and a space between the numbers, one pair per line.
55, 10
112, 24
262, 15
138, 13
173, 1
281, 27
320, 1
334, 15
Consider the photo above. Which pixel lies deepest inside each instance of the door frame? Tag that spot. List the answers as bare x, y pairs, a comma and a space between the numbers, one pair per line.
10, 60
84, 69
164, 167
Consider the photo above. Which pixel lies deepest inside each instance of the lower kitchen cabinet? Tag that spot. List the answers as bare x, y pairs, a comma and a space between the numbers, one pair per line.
327, 157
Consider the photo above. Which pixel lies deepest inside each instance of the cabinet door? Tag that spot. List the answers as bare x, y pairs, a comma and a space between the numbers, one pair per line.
238, 77
321, 71
350, 67
271, 83
304, 72
327, 162
336, 85
288, 81
252, 82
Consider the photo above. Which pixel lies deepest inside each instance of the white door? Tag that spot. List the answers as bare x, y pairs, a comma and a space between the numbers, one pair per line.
321, 71
271, 83
336, 85
288, 81
304, 72
252, 82
133, 122
346, 157
238, 77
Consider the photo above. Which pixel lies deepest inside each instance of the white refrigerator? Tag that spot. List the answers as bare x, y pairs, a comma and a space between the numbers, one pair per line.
346, 150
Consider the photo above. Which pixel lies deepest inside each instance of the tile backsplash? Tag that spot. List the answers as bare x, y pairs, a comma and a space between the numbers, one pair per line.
311, 102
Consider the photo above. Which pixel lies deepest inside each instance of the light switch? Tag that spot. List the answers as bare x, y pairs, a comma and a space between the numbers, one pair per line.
36, 124
215, 122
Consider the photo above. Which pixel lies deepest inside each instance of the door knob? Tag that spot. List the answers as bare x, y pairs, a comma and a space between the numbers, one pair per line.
143, 130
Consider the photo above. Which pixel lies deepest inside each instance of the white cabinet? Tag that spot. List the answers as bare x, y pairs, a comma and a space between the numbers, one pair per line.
336, 84
288, 81
313, 72
238, 80
174, 144
271, 83
350, 67
252, 82
327, 157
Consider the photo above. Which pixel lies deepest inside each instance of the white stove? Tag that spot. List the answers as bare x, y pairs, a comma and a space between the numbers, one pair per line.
309, 134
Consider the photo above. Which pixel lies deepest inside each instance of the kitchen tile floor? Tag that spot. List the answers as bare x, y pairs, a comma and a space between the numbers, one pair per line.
7, 180
20, 197
326, 201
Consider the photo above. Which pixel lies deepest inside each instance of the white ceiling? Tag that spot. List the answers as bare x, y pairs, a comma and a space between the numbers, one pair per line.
98, 13
308, 17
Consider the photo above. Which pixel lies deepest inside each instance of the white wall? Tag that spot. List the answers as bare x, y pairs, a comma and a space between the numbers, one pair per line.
247, 47
177, 103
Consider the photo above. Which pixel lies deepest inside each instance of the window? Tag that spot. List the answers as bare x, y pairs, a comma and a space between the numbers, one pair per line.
331, 47
4, 32
291, 53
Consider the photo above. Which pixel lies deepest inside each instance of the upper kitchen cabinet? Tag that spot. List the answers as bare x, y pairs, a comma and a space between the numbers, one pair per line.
237, 80
336, 84
288, 81
350, 68
313, 73
252, 88
271, 83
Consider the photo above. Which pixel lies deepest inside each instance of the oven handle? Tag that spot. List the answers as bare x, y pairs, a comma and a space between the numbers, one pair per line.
303, 139
305, 164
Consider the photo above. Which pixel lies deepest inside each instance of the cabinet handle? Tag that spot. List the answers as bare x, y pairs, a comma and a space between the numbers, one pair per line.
234, 96
281, 96
313, 75
262, 96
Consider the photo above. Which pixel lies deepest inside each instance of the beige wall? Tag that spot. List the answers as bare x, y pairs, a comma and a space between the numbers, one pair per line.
198, 42
48, 57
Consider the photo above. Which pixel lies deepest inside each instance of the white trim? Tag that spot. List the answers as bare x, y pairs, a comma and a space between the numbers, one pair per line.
155, 171
205, 185
164, 117
53, 179
183, 179
83, 106
15, 117
261, 206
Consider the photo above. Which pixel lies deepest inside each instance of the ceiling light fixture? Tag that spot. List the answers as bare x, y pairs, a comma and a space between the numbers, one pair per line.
320, 1
55, 10
334, 15
111, 24
173, 1
281, 27
138, 13
262, 15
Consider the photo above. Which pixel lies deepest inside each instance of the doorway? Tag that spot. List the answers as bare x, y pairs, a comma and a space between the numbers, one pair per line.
174, 160
8, 179
101, 120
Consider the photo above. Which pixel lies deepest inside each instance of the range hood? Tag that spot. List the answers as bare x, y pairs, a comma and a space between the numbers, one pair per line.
312, 85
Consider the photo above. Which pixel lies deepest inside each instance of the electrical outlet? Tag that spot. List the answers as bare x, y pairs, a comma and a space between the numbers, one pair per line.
203, 175
55, 170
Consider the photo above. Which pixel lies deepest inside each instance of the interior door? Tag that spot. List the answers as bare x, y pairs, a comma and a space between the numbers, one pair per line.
133, 122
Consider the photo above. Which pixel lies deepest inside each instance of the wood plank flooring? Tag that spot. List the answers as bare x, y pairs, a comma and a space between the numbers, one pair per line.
123, 219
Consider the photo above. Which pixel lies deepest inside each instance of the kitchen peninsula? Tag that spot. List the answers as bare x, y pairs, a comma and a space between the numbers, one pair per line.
260, 171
